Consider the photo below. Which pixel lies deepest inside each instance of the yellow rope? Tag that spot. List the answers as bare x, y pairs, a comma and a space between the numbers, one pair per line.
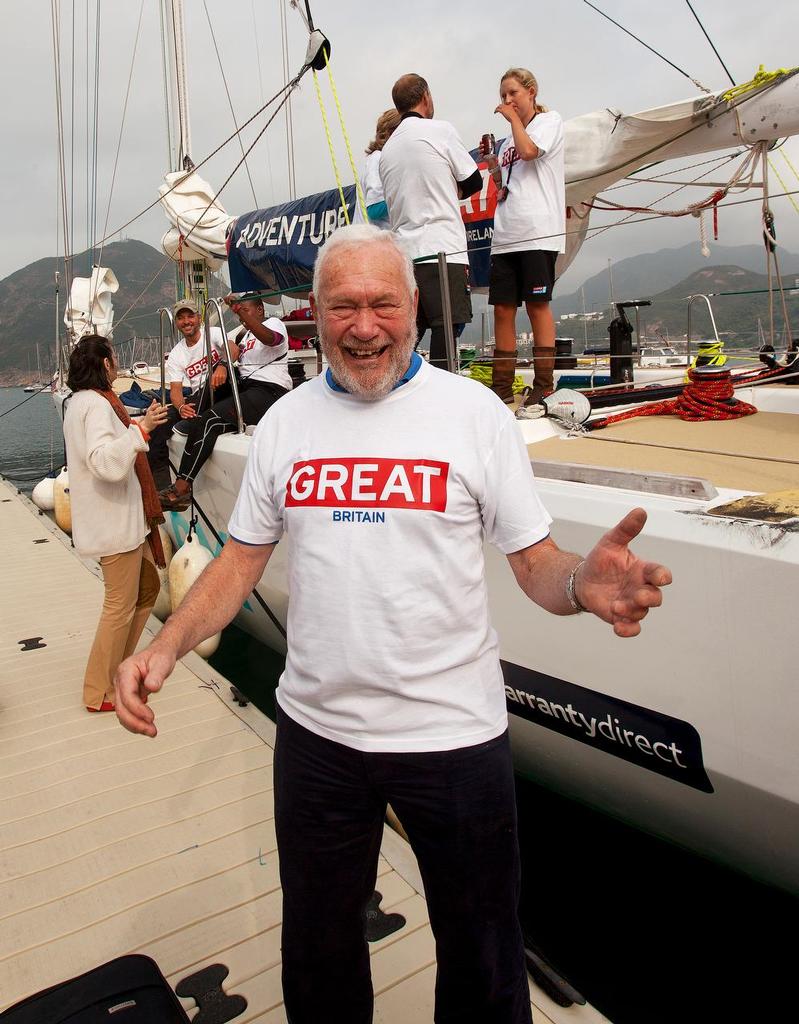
485, 374
784, 186
330, 147
786, 158
762, 77
358, 188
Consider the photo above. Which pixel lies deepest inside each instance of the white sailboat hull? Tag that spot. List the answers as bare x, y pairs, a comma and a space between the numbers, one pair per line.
716, 660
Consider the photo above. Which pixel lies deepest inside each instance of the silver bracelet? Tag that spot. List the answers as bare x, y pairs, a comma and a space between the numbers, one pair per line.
571, 593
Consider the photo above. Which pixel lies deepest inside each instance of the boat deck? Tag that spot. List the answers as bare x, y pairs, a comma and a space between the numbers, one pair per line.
111, 843
756, 453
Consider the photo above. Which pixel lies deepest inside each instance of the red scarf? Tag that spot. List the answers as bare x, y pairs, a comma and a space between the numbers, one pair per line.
149, 495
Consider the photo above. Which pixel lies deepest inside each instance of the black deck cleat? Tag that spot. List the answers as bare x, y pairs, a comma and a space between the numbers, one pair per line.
378, 925
239, 697
33, 643
205, 988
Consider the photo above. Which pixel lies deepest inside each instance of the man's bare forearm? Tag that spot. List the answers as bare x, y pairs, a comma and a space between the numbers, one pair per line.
215, 598
542, 571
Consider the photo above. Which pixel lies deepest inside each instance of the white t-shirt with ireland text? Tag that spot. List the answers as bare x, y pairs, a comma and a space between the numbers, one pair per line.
266, 363
188, 364
385, 506
534, 214
420, 167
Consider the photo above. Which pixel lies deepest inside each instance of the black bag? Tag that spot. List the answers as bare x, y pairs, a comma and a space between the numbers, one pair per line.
128, 990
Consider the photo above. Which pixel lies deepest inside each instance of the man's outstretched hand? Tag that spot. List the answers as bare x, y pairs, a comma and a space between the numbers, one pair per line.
136, 678
615, 584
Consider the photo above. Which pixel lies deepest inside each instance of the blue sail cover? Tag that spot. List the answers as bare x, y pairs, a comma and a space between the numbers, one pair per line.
274, 249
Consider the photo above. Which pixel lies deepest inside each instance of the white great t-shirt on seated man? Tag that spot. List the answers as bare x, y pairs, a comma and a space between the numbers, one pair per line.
388, 473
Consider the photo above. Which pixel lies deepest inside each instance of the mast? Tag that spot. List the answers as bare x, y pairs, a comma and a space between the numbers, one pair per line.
191, 275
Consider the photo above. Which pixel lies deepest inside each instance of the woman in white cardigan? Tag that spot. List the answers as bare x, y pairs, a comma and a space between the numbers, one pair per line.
115, 508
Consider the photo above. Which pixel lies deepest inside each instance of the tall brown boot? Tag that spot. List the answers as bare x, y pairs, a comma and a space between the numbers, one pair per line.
504, 370
543, 379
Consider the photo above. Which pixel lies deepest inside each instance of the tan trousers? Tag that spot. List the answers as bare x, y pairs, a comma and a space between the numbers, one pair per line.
131, 587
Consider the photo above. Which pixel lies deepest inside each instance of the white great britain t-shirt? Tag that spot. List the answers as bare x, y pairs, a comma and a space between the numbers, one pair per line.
420, 167
534, 214
386, 505
266, 363
188, 364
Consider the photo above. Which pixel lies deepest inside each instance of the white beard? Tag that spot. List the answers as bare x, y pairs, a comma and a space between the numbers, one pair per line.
377, 384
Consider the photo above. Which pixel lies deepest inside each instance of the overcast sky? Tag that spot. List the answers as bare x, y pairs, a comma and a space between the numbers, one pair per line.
582, 63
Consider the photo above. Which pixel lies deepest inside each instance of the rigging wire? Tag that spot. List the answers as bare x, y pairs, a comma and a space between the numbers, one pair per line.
229, 100
96, 125
660, 199
633, 179
699, 23
55, 19
261, 94
213, 153
119, 142
728, 105
606, 227
697, 83
165, 76
284, 36
288, 90
70, 247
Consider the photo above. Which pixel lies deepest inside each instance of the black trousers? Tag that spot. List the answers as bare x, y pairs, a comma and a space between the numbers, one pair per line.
158, 453
203, 430
430, 311
458, 808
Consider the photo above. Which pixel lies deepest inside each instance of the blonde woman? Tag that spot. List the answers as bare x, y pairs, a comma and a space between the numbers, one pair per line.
115, 508
529, 230
371, 186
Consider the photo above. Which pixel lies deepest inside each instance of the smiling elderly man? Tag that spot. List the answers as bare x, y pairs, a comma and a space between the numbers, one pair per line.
393, 690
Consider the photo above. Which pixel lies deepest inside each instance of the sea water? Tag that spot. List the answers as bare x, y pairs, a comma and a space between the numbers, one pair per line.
31, 441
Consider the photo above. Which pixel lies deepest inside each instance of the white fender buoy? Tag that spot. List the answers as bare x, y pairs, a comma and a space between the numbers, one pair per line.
43, 495
163, 603
61, 502
186, 566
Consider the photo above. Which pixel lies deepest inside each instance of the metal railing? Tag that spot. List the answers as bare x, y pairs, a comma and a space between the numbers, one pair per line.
688, 328
161, 356
234, 384
446, 312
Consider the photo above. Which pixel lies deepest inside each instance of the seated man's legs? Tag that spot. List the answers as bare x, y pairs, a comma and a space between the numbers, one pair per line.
158, 453
201, 434
256, 397
203, 430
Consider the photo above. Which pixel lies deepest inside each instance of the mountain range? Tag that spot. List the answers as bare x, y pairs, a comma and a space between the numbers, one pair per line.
27, 303
654, 273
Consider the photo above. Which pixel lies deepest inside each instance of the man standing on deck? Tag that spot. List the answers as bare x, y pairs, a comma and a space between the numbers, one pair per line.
425, 170
187, 366
388, 474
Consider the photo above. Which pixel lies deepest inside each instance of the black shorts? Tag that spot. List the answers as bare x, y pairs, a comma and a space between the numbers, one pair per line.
518, 277
429, 312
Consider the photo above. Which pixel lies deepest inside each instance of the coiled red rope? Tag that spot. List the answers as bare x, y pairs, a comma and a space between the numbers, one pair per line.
709, 395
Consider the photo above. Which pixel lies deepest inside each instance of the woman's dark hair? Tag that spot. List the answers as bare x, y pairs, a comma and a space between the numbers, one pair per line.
86, 368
